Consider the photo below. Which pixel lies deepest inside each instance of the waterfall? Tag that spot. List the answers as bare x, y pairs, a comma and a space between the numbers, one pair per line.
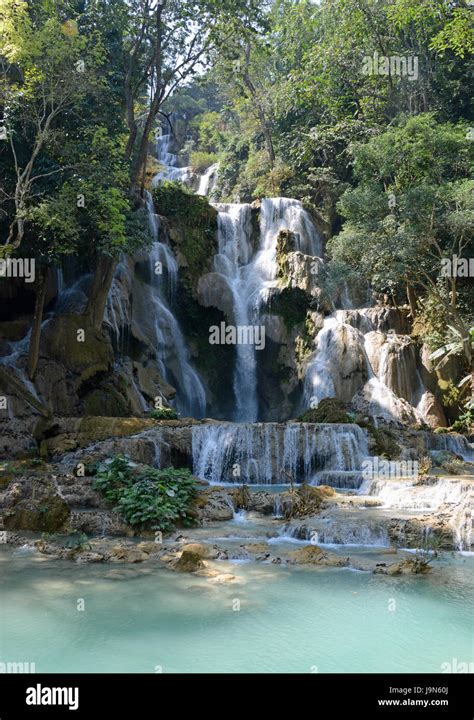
266, 453
318, 382
355, 361
232, 262
251, 275
207, 181
169, 340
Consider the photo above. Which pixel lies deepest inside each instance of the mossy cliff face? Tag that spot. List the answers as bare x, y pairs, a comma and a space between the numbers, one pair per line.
33, 503
191, 225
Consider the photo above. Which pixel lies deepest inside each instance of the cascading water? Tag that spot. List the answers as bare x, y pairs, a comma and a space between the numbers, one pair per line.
272, 453
318, 383
169, 340
448, 442
169, 160
251, 275
353, 357
207, 181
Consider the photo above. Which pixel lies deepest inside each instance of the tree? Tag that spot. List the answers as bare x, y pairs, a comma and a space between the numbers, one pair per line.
164, 43
411, 210
46, 68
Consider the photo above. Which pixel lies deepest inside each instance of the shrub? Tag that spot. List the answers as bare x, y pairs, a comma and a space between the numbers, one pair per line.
148, 497
464, 423
113, 476
164, 413
424, 465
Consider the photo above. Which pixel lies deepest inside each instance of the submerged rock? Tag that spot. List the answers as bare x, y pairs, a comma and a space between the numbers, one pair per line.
408, 566
223, 578
131, 554
314, 555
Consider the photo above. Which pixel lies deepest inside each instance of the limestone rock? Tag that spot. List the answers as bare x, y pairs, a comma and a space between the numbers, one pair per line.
314, 555
199, 549
432, 411
189, 562
213, 291
131, 554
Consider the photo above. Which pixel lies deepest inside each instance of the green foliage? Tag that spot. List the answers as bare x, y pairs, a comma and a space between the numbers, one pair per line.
411, 208
113, 475
385, 444
208, 126
194, 225
200, 160
164, 413
176, 201
464, 423
147, 497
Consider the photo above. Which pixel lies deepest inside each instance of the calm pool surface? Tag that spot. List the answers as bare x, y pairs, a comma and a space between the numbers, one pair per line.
144, 618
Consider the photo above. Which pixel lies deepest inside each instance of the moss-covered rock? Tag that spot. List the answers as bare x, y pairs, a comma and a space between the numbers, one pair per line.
66, 434
314, 555
46, 516
33, 503
189, 561
211, 360
329, 410
382, 440
192, 229
72, 341
108, 401
291, 304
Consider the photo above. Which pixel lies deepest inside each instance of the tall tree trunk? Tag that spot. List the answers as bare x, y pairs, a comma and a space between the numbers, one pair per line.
101, 284
262, 119
412, 300
138, 175
33, 349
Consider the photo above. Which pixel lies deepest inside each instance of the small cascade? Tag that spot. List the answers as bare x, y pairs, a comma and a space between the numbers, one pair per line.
15, 364
450, 442
332, 531
169, 160
117, 312
408, 494
207, 181
240, 517
287, 214
162, 257
277, 507
266, 453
